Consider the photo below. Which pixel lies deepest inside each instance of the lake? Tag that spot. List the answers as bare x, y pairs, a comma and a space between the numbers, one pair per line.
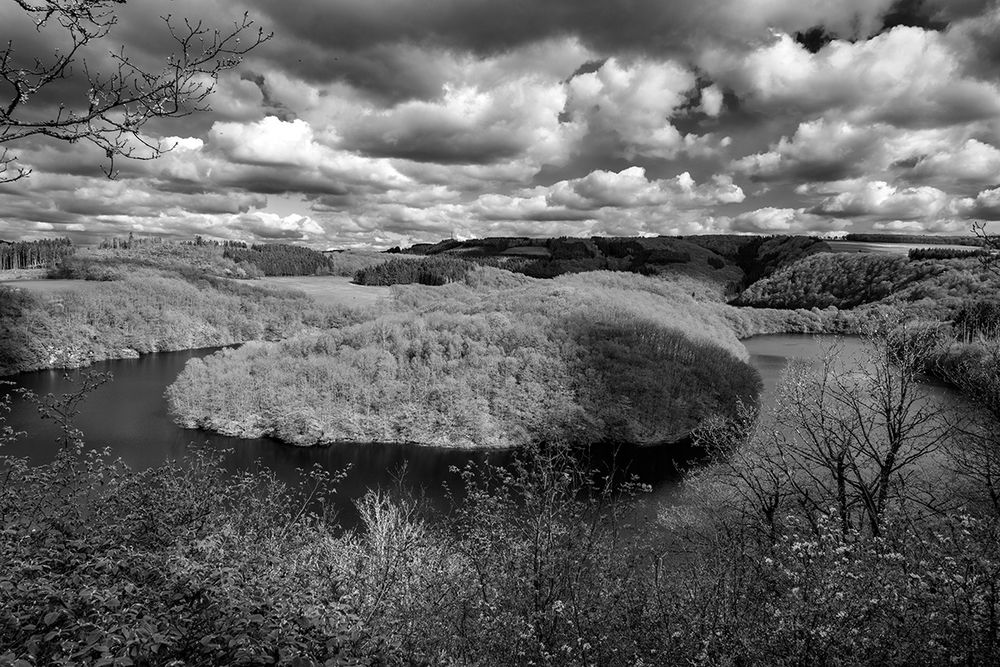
129, 416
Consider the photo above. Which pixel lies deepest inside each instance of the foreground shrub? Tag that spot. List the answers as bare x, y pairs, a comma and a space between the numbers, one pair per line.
178, 564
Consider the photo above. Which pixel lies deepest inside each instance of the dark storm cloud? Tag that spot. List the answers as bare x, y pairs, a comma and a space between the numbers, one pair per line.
359, 40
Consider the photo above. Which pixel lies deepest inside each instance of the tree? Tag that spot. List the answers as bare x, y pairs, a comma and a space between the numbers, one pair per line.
846, 439
112, 107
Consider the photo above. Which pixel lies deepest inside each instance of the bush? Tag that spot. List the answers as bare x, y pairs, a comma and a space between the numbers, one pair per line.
177, 564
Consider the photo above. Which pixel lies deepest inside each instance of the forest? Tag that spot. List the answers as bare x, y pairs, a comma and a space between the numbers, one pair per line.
853, 521
850, 280
148, 298
33, 254
589, 358
279, 259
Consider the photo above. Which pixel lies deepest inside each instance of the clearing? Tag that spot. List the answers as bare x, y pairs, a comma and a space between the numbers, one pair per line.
331, 290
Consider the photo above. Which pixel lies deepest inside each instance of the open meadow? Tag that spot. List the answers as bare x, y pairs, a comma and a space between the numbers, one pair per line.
331, 290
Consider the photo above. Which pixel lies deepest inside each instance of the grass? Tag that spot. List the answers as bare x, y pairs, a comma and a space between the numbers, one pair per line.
50, 287
331, 290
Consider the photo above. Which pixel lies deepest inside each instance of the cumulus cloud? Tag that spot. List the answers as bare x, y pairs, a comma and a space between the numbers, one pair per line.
388, 122
467, 125
985, 205
826, 150
630, 188
633, 104
907, 76
882, 200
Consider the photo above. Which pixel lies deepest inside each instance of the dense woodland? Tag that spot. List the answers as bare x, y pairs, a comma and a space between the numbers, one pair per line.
592, 358
148, 298
854, 522
33, 254
431, 271
281, 260
848, 280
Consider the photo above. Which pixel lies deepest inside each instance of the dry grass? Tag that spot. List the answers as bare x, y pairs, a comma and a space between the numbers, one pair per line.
890, 248
330, 290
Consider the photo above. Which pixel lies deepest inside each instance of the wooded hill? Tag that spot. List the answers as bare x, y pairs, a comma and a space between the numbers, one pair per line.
728, 260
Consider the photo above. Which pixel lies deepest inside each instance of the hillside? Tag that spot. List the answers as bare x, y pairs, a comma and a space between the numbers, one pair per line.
728, 263
584, 358
149, 298
931, 288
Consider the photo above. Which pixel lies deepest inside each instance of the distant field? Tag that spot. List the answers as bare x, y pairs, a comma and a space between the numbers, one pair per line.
330, 290
49, 286
889, 248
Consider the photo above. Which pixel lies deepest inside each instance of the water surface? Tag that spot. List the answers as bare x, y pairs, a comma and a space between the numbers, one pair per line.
129, 416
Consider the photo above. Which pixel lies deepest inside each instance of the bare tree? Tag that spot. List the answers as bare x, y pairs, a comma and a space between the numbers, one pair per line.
845, 439
114, 105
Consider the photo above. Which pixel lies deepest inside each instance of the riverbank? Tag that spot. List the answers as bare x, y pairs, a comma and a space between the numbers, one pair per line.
75, 323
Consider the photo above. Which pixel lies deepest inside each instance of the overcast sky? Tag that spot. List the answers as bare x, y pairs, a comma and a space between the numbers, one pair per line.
388, 122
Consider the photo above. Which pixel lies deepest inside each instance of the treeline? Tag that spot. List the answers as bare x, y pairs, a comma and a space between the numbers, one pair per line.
922, 239
279, 259
917, 254
133, 241
594, 357
438, 270
33, 254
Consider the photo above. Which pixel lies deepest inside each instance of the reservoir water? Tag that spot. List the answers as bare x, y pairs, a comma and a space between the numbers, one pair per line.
129, 416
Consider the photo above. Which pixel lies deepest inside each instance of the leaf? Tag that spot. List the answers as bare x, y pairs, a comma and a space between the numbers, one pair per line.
51, 617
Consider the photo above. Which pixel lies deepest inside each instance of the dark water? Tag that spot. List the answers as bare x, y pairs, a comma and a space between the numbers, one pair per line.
129, 416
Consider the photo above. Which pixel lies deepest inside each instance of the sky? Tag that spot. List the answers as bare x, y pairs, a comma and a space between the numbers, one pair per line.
375, 123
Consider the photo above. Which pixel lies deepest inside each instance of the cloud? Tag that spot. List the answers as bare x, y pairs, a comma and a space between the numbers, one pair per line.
882, 200
906, 77
467, 125
390, 121
818, 151
630, 188
485, 27
825, 150
631, 104
972, 163
985, 205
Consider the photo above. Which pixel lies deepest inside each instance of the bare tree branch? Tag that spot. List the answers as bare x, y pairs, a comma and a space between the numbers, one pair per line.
118, 103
